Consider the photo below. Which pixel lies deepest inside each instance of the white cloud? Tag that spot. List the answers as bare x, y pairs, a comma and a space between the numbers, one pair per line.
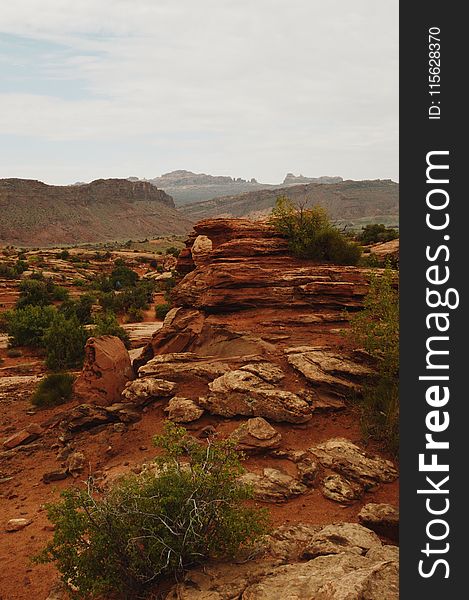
281, 79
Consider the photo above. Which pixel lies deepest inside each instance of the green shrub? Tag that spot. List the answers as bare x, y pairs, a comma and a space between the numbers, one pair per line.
156, 524
40, 292
161, 310
64, 255
107, 324
134, 315
53, 390
376, 329
26, 326
64, 341
80, 308
173, 251
372, 234
311, 235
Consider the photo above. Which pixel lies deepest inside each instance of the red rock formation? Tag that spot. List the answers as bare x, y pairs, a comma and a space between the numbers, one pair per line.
106, 370
249, 267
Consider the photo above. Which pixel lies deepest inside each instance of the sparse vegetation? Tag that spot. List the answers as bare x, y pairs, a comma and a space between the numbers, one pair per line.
311, 235
376, 329
40, 292
156, 524
377, 232
161, 310
26, 326
53, 390
64, 341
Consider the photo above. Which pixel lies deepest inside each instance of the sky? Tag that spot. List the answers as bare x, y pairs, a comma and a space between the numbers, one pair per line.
246, 88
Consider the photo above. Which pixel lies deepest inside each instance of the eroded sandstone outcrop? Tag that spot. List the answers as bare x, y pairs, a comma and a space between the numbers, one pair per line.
106, 370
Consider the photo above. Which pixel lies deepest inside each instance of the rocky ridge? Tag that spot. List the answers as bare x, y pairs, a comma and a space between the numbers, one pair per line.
36, 214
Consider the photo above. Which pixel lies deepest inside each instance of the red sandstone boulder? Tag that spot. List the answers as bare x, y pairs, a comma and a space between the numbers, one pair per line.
106, 370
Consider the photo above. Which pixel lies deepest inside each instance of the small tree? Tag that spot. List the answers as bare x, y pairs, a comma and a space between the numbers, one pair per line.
65, 341
311, 235
188, 508
26, 326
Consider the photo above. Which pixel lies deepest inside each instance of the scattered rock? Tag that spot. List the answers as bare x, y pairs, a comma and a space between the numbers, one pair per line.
273, 485
76, 463
345, 576
183, 410
243, 393
27, 435
267, 371
149, 389
177, 366
382, 518
106, 370
321, 366
57, 475
347, 459
14, 525
256, 435
341, 537
337, 488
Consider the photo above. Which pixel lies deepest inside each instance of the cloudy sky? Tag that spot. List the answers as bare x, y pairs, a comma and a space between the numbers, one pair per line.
247, 88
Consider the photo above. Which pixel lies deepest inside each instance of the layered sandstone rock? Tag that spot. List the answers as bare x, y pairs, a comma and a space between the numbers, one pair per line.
106, 370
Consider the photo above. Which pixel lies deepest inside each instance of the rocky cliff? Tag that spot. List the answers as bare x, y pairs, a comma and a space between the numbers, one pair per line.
36, 214
346, 201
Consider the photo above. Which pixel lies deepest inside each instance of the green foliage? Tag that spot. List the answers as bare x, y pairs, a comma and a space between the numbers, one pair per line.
156, 524
122, 277
12, 270
107, 324
377, 232
161, 310
65, 341
134, 315
311, 235
53, 390
80, 308
40, 292
376, 329
64, 255
137, 297
173, 250
26, 326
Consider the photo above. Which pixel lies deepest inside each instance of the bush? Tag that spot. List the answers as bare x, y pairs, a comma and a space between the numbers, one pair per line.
64, 255
80, 308
53, 390
40, 292
376, 329
64, 341
154, 525
134, 315
311, 235
107, 324
372, 234
161, 310
173, 251
26, 326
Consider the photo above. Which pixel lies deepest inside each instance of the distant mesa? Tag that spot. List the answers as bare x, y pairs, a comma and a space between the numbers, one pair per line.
291, 179
187, 187
37, 214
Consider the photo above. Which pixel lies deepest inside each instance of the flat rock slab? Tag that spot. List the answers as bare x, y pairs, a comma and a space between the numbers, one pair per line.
241, 392
183, 410
256, 435
321, 366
